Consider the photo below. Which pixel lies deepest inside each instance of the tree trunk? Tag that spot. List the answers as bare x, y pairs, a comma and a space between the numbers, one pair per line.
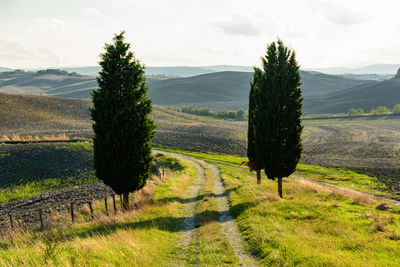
125, 200
280, 186
258, 176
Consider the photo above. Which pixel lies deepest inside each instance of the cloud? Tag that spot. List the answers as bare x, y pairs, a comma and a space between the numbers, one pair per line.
336, 14
52, 24
12, 50
91, 12
239, 25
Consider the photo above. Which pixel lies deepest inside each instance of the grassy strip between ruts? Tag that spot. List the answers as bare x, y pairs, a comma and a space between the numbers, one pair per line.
313, 225
209, 246
336, 176
148, 236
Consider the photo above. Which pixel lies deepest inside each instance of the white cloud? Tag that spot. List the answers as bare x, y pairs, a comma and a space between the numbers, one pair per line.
12, 50
52, 24
239, 25
336, 14
91, 12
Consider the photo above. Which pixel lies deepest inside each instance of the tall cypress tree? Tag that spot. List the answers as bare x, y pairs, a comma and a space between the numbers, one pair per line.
121, 123
278, 121
254, 163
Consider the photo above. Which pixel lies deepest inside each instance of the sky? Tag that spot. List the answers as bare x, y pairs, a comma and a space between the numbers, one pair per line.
53, 33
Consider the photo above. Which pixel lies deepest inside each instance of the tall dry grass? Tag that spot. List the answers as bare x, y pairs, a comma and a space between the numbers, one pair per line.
36, 138
356, 196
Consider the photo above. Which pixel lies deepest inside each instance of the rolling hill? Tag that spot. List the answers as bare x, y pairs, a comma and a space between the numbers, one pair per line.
30, 115
175, 71
366, 96
229, 90
369, 69
5, 69
217, 90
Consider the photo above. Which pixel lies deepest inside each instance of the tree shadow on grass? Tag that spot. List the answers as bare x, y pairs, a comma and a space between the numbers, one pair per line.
195, 199
166, 223
238, 209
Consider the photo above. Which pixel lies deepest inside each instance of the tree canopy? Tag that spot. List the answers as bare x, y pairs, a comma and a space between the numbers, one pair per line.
277, 113
121, 123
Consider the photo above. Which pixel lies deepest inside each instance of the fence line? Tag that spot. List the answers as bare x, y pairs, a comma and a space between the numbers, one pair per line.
15, 217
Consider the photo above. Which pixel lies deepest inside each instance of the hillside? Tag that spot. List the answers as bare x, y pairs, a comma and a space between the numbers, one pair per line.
366, 96
42, 115
379, 69
218, 90
367, 145
322, 93
49, 82
225, 90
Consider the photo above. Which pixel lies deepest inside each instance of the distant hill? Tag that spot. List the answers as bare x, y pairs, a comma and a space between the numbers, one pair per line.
229, 90
43, 115
175, 71
48, 82
370, 69
5, 69
366, 96
219, 90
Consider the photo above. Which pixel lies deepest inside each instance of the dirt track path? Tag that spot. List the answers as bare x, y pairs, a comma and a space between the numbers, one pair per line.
228, 226
298, 178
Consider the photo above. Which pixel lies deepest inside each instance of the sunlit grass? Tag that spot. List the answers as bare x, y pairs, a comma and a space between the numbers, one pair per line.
33, 186
313, 225
147, 236
336, 176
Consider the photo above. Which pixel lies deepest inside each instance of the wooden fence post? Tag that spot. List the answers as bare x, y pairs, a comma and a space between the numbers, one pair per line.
72, 212
115, 207
105, 203
11, 221
91, 209
41, 219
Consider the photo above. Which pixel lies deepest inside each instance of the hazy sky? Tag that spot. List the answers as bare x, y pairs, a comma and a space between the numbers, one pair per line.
44, 33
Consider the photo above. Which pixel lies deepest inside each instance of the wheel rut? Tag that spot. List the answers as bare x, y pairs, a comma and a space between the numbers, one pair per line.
228, 226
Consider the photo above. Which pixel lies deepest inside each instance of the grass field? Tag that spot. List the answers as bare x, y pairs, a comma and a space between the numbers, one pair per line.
32, 169
149, 235
143, 237
365, 145
312, 226
332, 175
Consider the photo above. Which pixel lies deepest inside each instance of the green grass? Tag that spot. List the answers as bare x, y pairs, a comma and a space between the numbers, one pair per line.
150, 235
336, 176
209, 240
32, 186
343, 177
145, 237
311, 226
33, 169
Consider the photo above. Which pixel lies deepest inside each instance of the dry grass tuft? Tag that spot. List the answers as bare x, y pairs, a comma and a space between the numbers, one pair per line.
357, 197
394, 235
33, 139
379, 222
314, 187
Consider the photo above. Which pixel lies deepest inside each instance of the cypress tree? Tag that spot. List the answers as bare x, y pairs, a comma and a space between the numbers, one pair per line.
121, 124
278, 118
254, 163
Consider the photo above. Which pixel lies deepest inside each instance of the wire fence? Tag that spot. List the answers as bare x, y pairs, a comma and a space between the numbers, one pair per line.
38, 211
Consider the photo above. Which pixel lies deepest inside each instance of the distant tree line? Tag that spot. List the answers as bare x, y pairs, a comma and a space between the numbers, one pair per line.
41, 72
381, 110
222, 114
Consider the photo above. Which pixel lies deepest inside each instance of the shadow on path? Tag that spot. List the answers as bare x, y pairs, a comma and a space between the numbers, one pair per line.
195, 199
